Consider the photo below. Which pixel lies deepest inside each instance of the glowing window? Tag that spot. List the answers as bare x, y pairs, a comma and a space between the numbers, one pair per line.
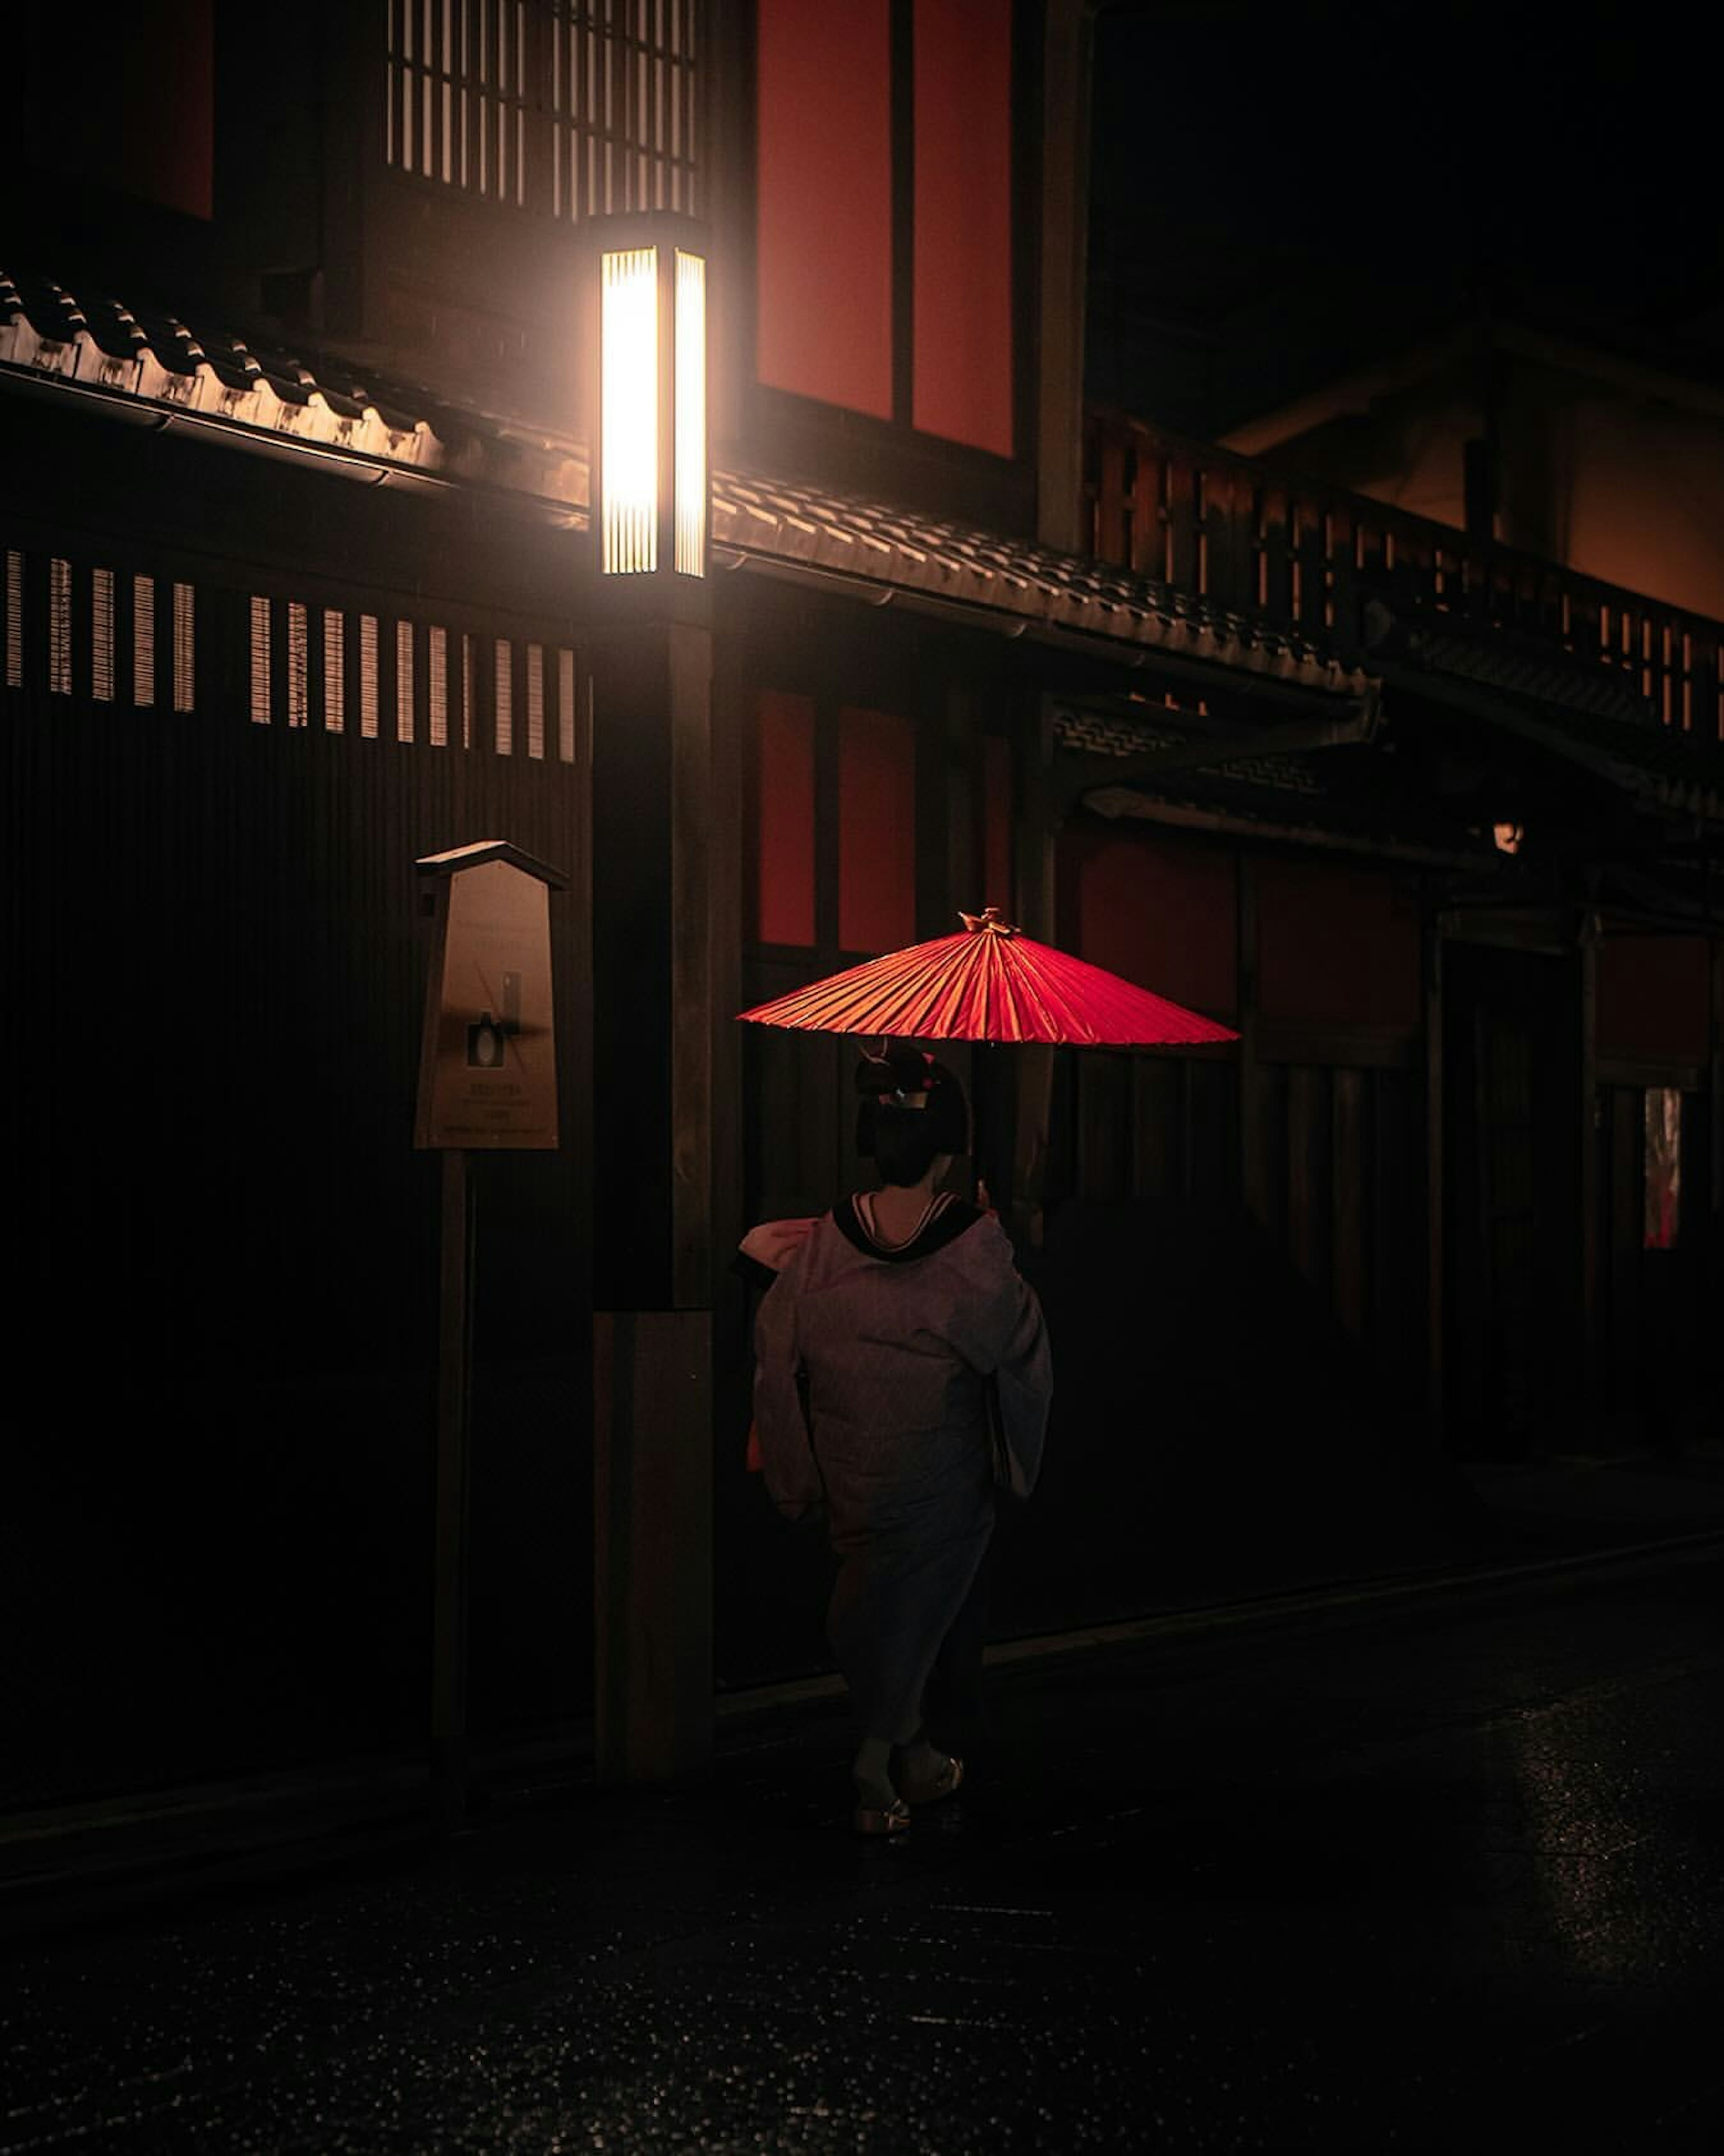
1664, 1167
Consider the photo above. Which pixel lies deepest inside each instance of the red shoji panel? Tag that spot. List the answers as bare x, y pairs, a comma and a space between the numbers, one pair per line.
876, 833
996, 824
784, 818
1163, 915
962, 377
1335, 946
824, 268
1652, 997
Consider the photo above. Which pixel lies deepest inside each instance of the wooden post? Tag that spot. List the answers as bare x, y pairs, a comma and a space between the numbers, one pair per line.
448, 1707
1591, 1359
1435, 1405
492, 933
652, 1544
1253, 1165
1033, 859
664, 874
1069, 39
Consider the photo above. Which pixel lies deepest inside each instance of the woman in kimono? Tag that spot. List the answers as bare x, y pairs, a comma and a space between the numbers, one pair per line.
902, 1370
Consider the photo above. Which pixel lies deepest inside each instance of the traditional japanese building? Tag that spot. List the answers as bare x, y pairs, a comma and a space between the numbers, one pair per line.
309, 575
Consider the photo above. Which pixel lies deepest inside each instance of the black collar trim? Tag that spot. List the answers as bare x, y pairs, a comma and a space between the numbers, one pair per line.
947, 1225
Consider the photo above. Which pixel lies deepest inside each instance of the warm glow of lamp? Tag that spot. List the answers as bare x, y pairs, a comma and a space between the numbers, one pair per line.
629, 394
1508, 837
653, 432
691, 414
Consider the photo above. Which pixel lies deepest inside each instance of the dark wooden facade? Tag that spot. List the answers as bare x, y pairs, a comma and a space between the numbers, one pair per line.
246, 698
246, 688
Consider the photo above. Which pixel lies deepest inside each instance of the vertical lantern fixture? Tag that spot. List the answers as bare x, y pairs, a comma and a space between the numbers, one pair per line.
650, 490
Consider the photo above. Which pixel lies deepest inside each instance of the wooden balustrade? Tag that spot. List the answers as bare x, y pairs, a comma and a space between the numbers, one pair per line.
1255, 539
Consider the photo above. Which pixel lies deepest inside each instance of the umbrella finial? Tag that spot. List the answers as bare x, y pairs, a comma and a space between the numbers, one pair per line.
989, 921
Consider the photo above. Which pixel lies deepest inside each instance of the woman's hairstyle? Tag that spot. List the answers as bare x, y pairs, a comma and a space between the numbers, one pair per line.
912, 1111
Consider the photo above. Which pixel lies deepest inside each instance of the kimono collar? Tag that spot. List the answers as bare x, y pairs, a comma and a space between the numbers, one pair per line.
947, 1225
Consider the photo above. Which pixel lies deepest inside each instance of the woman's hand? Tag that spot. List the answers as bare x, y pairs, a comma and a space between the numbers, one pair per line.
774, 1243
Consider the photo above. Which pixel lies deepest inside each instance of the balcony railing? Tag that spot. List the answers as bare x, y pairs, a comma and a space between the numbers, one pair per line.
1310, 557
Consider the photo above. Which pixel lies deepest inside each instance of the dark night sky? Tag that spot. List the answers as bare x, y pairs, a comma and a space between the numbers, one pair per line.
1285, 190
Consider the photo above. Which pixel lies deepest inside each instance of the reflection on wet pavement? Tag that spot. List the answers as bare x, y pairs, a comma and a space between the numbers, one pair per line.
1449, 1878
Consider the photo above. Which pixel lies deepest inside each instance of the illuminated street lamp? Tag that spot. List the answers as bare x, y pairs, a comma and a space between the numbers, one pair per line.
649, 444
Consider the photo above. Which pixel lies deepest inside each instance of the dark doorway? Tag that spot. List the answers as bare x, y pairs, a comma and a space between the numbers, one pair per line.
1513, 1201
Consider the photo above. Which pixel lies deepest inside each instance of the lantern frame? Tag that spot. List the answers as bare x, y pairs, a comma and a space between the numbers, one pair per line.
665, 541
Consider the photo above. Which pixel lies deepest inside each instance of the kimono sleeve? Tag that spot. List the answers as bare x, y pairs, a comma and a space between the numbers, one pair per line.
787, 1463
1000, 1332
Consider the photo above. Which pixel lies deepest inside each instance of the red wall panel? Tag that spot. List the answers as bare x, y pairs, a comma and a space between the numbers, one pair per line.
1652, 997
823, 276
784, 820
1336, 946
876, 832
1158, 913
962, 376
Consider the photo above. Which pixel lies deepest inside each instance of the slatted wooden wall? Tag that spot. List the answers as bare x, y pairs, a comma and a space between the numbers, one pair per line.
218, 782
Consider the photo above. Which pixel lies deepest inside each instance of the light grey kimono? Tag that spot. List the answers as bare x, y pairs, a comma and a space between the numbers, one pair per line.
872, 1397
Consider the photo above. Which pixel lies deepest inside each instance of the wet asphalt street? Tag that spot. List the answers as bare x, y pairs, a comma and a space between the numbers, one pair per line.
1442, 1876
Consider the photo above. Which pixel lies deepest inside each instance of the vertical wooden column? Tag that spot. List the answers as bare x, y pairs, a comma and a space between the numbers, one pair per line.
1068, 38
653, 1543
1253, 1163
1591, 1359
1716, 1085
448, 1629
690, 670
659, 885
1434, 1399
1034, 860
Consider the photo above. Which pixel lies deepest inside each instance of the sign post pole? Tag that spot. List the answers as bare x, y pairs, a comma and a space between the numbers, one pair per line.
449, 1714
487, 1081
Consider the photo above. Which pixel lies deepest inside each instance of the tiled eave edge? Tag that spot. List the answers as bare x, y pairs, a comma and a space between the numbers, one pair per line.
876, 549
756, 518
173, 379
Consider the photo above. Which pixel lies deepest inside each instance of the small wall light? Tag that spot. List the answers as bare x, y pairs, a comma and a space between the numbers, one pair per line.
1508, 837
651, 483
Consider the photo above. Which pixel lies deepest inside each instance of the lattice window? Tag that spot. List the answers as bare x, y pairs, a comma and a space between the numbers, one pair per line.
14, 619
101, 635
403, 680
368, 676
437, 640
143, 642
504, 727
535, 701
185, 647
299, 666
466, 690
59, 627
260, 662
334, 680
566, 706
574, 108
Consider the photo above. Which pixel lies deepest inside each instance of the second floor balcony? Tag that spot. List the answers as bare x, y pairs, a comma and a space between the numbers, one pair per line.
1375, 582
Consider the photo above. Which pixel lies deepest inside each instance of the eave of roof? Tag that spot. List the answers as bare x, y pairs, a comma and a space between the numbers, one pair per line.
272, 403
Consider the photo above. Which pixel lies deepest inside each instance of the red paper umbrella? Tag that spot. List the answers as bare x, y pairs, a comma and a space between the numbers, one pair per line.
990, 983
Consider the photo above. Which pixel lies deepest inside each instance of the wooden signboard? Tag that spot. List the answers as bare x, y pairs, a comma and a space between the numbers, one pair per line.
487, 1066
